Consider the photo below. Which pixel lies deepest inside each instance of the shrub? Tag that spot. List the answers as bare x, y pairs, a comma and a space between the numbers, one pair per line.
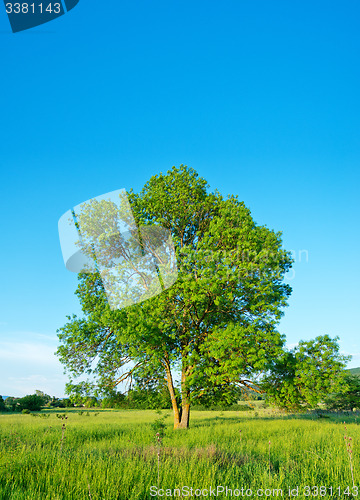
158, 427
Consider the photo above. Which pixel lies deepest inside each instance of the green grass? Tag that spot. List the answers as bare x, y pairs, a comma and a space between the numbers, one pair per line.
113, 455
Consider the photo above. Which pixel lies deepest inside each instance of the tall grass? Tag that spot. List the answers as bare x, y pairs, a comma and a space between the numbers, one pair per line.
114, 455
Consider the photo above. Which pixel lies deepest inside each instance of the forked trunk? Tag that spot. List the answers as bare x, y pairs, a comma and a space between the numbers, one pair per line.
182, 416
185, 403
177, 416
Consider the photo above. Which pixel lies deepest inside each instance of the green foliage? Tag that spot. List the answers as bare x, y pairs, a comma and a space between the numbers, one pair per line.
147, 399
32, 402
67, 403
114, 400
25, 411
62, 416
12, 404
91, 402
158, 427
355, 371
45, 397
57, 403
303, 377
216, 324
2, 404
233, 407
80, 393
139, 398
220, 396
38, 415
348, 397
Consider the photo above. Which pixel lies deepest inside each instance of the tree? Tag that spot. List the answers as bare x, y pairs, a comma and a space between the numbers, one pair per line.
216, 325
148, 399
302, 377
2, 404
348, 397
91, 402
32, 402
12, 404
67, 403
45, 397
80, 393
57, 403
114, 400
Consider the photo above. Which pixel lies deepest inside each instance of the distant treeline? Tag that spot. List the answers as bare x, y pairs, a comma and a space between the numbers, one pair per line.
32, 402
153, 399
134, 399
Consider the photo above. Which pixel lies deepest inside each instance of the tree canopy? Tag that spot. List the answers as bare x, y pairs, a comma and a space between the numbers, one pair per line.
348, 396
215, 326
304, 376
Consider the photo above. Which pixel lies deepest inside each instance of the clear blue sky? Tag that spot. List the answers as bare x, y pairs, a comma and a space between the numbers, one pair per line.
261, 98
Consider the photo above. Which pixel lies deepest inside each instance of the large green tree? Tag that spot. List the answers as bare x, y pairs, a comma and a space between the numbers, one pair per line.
215, 327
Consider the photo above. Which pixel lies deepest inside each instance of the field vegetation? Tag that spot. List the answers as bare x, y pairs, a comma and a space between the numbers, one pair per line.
119, 454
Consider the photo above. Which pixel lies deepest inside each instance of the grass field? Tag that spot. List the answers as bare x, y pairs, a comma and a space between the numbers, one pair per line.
114, 455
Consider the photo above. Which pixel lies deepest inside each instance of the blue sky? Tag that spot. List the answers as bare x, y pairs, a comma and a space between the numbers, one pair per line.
261, 98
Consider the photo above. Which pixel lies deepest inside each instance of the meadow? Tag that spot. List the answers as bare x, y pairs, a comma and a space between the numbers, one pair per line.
115, 454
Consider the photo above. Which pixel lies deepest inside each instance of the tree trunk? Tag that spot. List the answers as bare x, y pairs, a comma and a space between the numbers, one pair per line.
182, 415
177, 415
185, 403
185, 417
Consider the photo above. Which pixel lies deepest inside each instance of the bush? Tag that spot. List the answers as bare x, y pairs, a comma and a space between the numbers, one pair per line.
25, 411
159, 426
